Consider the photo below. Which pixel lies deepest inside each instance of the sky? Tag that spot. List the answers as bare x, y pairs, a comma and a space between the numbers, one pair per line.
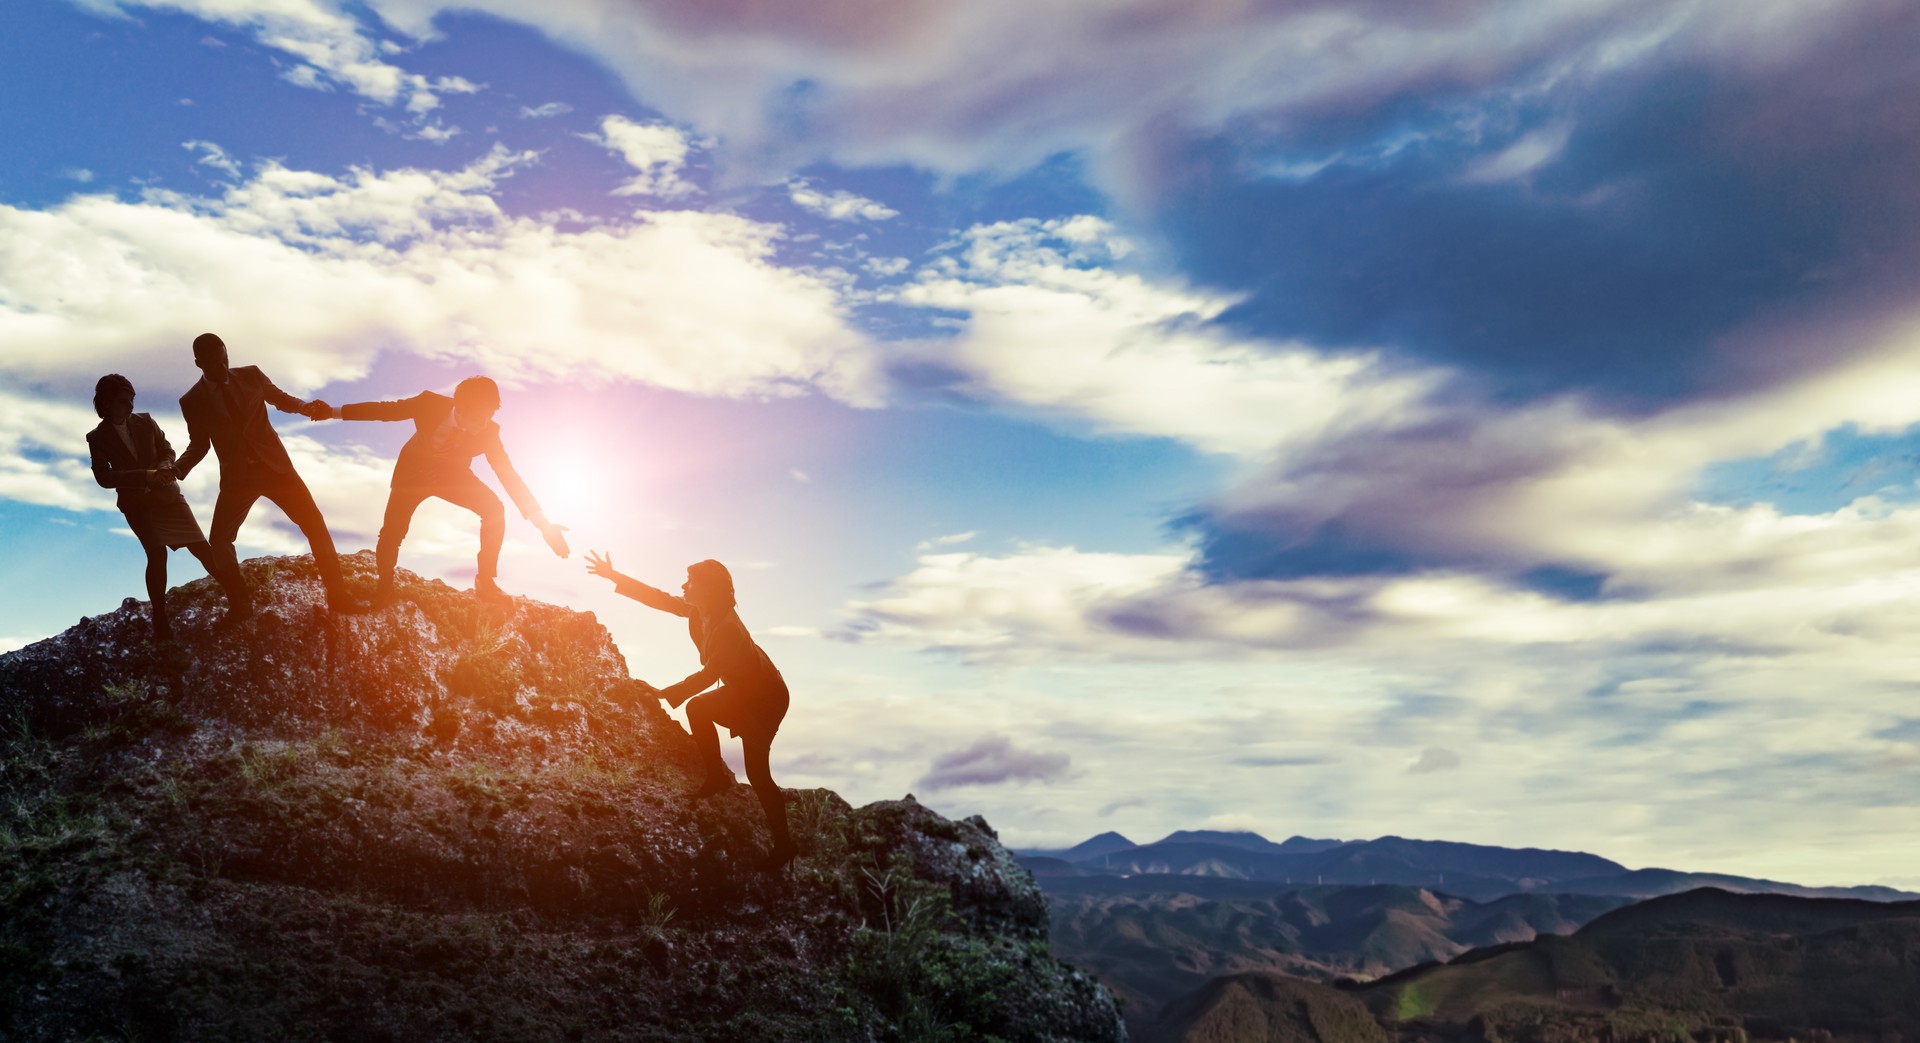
1480, 420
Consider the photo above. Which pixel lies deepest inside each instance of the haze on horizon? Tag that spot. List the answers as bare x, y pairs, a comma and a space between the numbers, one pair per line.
1490, 421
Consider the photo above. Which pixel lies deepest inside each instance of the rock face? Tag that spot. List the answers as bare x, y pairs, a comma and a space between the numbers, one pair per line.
456, 821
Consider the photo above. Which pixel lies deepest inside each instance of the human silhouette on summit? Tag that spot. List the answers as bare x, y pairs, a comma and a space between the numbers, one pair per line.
438, 461
131, 456
226, 409
751, 701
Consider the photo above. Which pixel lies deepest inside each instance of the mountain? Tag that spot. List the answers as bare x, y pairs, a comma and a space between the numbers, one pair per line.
1091, 849
459, 821
1259, 1007
1472, 870
1169, 935
1774, 965
1476, 871
1706, 965
1654, 883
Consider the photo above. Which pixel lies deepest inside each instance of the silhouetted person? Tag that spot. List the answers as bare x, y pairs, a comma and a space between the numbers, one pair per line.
227, 410
752, 699
132, 456
438, 461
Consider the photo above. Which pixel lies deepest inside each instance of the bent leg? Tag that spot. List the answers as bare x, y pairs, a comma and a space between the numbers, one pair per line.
293, 497
230, 509
467, 490
707, 738
401, 503
157, 585
239, 600
772, 801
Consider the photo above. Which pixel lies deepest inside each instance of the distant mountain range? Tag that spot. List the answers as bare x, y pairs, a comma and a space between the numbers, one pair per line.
1707, 964
1474, 871
1152, 939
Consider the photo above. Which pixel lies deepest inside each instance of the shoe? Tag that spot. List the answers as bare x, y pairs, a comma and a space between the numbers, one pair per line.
342, 605
717, 782
384, 597
236, 615
162, 632
486, 589
779, 858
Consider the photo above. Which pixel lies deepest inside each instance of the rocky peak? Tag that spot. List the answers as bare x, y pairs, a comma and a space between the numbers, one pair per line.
458, 820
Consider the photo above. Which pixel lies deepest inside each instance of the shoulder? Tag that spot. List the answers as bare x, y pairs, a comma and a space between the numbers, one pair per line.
99, 431
194, 393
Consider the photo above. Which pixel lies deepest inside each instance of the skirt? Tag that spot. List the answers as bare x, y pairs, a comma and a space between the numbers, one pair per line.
162, 516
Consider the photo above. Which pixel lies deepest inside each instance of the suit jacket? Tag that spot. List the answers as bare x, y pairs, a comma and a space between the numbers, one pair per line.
245, 439
728, 653
117, 467
440, 450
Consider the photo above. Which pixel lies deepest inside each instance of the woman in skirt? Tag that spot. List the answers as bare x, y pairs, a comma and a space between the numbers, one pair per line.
132, 457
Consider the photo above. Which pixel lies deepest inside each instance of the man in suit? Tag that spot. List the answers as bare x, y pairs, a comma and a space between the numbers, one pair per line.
438, 461
226, 410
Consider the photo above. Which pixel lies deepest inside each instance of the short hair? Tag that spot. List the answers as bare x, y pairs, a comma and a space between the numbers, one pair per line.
711, 571
106, 388
480, 391
206, 342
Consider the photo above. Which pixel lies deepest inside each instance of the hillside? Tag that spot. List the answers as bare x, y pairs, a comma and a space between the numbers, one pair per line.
1775, 966
454, 821
1707, 965
1153, 945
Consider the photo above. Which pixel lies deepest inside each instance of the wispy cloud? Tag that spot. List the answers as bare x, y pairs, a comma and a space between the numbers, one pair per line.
838, 205
994, 760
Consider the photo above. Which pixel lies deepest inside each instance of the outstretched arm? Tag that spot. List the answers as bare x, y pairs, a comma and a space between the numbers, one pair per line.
523, 498
282, 401
653, 597
404, 409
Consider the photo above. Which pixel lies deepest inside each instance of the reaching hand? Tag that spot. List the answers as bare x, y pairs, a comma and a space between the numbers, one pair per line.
164, 473
555, 540
601, 565
318, 410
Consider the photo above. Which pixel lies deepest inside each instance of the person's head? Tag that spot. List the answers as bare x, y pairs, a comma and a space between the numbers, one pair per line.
709, 585
210, 354
476, 399
113, 397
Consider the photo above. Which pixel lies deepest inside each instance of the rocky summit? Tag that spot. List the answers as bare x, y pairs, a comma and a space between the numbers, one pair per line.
458, 820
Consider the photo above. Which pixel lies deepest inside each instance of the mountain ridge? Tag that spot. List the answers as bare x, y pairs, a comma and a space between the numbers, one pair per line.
456, 820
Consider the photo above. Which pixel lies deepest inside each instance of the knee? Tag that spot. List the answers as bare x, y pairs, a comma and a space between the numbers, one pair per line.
493, 517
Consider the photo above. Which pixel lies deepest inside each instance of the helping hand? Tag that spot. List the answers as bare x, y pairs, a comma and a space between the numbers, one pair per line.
318, 410
554, 539
602, 565
164, 473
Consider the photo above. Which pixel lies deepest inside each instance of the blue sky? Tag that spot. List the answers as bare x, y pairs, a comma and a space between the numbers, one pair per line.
1488, 421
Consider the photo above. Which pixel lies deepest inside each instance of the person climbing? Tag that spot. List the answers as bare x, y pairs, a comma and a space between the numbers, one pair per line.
226, 410
131, 455
751, 700
438, 461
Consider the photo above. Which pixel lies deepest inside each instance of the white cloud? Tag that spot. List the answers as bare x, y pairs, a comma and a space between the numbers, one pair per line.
988, 85
1048, 321
315, 275
838, 205
332, 48
212, 155
546, 111
658, 151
